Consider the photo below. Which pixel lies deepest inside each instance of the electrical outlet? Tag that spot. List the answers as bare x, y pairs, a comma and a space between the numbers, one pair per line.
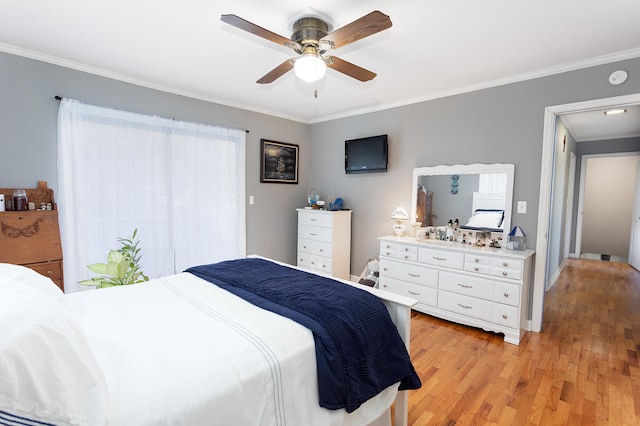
522, 207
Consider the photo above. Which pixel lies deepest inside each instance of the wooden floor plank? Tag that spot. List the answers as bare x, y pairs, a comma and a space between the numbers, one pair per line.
583, 368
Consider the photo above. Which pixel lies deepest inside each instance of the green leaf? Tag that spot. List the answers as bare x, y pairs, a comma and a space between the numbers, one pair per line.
114, 256
98, 268
122, 267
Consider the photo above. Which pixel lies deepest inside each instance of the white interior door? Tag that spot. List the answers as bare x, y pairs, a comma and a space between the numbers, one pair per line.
634, 243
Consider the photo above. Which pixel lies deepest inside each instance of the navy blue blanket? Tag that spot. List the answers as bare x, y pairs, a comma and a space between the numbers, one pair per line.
358, 349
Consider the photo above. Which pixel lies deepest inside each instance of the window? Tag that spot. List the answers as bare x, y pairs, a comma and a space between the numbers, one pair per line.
180, 184
492, 183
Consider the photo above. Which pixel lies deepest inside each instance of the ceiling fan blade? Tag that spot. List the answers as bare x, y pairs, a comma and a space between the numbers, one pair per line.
349, 69
372, 23
276, 73
252, 28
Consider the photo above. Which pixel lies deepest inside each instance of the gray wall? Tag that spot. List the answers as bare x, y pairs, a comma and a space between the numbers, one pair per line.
497, 125
28, 134
561, 168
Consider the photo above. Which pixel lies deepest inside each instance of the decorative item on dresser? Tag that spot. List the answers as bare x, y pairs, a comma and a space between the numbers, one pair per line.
476, 286
32, 238
324, 241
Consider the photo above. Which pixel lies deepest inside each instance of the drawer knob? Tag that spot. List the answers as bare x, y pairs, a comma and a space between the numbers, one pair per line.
49, 273
321, 250
506, 294
384, 285
504, 316
304, 246
406, 257
385, 269
476, 269
406, 249
504, 274
505, 263
313, 263
476, 260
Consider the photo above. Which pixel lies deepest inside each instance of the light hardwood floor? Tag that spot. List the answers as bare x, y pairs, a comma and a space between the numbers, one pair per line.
582, 369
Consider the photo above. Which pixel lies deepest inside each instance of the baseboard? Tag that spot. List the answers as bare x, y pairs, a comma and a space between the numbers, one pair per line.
554, 277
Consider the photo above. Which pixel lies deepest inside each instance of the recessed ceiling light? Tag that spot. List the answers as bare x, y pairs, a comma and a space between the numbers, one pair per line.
615, 111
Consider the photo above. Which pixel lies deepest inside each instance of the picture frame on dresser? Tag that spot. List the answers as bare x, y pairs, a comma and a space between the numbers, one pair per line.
278, 162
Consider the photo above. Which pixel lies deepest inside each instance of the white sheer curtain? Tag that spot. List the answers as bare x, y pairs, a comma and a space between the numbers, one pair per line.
492, 183
180, 184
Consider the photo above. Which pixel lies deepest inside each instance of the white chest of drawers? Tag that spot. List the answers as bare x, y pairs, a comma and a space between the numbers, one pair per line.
480, 287
324, 241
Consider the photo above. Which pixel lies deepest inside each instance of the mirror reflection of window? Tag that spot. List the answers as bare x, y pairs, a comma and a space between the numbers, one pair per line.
492, 183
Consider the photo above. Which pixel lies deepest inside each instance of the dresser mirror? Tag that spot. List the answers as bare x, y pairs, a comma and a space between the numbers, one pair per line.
443, 193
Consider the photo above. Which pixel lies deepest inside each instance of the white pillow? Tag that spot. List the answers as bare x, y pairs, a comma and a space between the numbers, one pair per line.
49, 373
485, 220
31, 278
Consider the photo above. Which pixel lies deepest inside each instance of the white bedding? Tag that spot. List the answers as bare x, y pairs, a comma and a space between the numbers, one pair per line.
181, 351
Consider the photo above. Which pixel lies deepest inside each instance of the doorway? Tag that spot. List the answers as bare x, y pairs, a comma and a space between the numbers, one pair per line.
607, 188
544, 210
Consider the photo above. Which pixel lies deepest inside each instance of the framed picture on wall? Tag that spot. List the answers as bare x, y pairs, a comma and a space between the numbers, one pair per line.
278, 162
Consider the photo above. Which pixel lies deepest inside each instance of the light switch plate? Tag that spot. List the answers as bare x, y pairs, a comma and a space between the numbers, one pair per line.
251, 200
522, 207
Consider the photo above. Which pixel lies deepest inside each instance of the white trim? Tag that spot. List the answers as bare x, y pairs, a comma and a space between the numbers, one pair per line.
568, 200
583, 174
558, 69
548, 142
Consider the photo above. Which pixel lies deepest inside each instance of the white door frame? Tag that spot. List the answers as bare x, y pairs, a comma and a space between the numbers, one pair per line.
568, 220
583, 179
548, 143
634, 255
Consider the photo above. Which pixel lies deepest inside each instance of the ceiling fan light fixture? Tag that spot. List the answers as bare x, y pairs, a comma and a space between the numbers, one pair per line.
310, 67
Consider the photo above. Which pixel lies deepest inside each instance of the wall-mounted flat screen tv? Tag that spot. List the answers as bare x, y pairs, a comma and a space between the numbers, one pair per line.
366, 155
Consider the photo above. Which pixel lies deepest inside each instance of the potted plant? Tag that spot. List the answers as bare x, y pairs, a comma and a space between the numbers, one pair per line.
122, 267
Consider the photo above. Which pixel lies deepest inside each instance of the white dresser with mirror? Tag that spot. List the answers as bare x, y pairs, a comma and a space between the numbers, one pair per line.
479, 286
476, 286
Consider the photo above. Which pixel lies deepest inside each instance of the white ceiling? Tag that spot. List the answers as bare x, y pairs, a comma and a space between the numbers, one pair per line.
434, 49
595, 125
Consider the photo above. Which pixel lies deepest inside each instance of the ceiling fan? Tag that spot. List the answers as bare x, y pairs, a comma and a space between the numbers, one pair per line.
311, 40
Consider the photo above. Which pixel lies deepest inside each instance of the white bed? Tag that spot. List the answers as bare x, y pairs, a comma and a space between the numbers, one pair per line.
173, 351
